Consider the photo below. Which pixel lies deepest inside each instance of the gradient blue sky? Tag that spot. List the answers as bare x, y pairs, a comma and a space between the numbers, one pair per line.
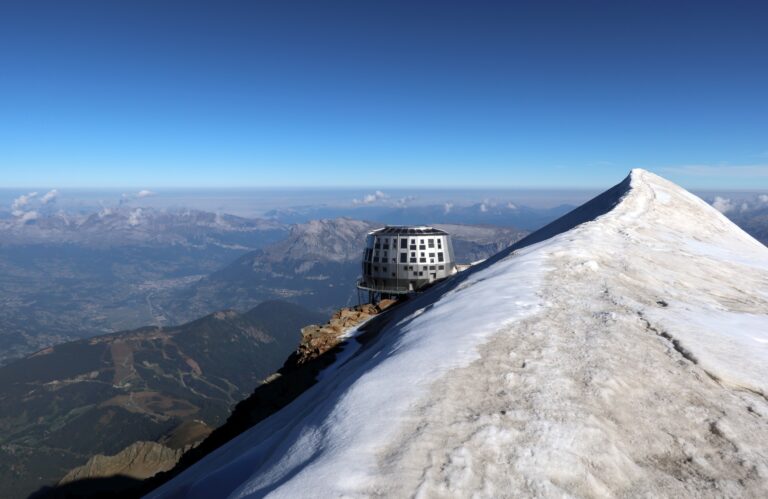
362, 93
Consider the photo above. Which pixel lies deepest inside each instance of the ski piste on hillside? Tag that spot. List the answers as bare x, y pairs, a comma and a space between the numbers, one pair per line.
622, 350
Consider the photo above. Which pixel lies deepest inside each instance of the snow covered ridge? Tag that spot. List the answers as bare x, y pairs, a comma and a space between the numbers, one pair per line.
621, 350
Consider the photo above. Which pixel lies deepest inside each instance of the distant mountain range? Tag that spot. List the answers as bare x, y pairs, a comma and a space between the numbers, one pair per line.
486, 213
172, 385
316, 266
68, 275
121, 226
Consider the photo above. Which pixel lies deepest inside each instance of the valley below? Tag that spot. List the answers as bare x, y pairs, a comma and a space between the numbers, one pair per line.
170, 385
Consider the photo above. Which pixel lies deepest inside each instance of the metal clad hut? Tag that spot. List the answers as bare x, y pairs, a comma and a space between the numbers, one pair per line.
402, 259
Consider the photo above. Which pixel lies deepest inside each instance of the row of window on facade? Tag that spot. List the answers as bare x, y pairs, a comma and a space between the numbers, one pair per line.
414, 270
404, 257
430, 242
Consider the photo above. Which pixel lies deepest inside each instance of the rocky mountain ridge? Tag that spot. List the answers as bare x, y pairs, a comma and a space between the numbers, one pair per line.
139, 460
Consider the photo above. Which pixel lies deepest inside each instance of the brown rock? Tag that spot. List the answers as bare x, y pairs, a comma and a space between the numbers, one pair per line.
138, 460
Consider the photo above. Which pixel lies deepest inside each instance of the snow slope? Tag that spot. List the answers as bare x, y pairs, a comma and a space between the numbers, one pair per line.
621, 350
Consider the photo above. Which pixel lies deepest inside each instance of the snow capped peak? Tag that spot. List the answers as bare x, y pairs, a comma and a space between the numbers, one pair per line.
620, 350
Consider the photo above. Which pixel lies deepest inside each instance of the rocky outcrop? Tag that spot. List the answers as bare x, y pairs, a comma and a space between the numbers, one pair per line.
316, 340
138, 460
143, 459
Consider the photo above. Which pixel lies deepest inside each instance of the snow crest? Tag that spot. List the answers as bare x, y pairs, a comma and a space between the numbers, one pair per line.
621, 350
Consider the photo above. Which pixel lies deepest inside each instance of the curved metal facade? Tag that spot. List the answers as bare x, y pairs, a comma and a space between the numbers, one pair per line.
399, 260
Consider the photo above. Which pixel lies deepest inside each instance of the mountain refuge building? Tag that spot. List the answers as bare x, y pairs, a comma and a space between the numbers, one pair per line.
403, 259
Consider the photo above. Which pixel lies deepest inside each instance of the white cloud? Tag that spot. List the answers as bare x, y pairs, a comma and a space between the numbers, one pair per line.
128, 197
483, 207
447, 208
370, 198
511, 206
723, 205
26, 216
403, 202
19, 205
20, 202
49, 196
25, 207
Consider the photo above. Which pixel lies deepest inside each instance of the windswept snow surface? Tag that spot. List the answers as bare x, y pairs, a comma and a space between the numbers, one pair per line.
622, 350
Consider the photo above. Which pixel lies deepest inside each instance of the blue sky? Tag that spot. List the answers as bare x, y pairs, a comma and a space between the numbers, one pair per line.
382, 94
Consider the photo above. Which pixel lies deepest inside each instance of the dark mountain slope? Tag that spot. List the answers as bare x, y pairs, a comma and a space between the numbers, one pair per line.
65, 403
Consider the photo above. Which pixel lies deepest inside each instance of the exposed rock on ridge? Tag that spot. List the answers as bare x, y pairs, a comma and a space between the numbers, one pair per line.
316, 340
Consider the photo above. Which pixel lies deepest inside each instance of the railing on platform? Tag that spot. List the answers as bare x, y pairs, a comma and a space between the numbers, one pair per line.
396, 290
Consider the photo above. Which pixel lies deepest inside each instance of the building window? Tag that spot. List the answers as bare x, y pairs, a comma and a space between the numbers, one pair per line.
440, 244
431, 255
375, 268
376, 259
421, 273
441, 267
413, 260
440, 256
413, 253
403, 257
385, 269
403, 243
431, 267
422, 254
431, 242
422, 260
421, 246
